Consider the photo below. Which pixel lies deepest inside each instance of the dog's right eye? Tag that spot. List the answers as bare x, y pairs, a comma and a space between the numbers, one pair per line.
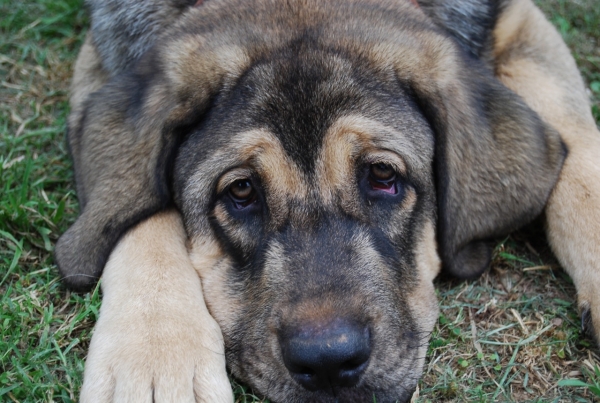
242, 193
382, 177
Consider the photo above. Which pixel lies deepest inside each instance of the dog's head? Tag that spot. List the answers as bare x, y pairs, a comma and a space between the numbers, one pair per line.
322, 155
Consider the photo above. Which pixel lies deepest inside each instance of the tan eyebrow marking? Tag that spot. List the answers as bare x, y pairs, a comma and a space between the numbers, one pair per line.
349, 138
259, 152
264, 151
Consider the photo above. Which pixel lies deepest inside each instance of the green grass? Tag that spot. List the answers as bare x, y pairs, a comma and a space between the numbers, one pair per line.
44, 329
593, 384
525, 323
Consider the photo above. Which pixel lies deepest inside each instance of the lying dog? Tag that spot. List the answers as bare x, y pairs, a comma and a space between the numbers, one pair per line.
298, 166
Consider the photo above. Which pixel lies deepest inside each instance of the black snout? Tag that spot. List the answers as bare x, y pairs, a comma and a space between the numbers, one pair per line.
320, 357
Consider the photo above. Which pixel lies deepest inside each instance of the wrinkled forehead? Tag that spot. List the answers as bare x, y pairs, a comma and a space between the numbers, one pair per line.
302, 121
304, 97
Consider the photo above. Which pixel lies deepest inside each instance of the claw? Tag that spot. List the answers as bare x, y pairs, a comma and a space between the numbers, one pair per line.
586, 319
587, 324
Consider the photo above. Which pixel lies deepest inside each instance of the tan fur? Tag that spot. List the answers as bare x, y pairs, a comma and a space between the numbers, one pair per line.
261, 148
155, 340
210, 264
423, 301
347, 139
353, 136
89, 76
533, 61
429, 266
187, 74
281, 175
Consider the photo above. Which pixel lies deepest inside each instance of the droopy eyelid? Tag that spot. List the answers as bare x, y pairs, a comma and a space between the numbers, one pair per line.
234, 175
389, 158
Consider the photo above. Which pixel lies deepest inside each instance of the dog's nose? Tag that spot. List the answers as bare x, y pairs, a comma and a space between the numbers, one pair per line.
321, 356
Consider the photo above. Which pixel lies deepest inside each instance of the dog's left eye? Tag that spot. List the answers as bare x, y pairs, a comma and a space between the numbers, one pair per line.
242, 193
382, 177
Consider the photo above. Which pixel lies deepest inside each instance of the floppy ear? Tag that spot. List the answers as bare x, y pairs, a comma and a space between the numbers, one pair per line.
124, 148
496, 162
469, 22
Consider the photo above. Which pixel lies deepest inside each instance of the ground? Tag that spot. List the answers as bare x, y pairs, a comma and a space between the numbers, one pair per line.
511, 336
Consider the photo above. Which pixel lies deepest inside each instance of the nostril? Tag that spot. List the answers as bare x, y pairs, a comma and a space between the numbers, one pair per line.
353, 364
301, 371
319, 356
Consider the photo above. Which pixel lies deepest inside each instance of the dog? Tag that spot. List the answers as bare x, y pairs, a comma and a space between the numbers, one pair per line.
272, 186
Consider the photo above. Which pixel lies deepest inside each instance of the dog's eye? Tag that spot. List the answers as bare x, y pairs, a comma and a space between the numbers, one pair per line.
242, 193
383, 177
382, 172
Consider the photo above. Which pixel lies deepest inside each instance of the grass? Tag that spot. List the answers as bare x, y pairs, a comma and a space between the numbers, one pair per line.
513, 335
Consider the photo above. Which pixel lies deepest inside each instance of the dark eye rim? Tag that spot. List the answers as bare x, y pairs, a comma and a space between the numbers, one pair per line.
376, 188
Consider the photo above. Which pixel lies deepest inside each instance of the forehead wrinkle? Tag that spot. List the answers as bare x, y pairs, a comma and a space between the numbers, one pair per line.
335, 162
350, 136
386, 137
257, 148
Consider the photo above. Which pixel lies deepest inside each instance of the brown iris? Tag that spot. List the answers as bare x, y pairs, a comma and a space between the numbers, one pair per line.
242, 193
382, 177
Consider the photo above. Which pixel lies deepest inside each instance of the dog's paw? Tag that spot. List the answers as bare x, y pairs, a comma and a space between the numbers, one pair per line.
133, 364
155, 340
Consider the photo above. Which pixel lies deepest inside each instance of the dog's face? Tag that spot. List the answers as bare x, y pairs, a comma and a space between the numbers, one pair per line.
321, 155
315, 175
